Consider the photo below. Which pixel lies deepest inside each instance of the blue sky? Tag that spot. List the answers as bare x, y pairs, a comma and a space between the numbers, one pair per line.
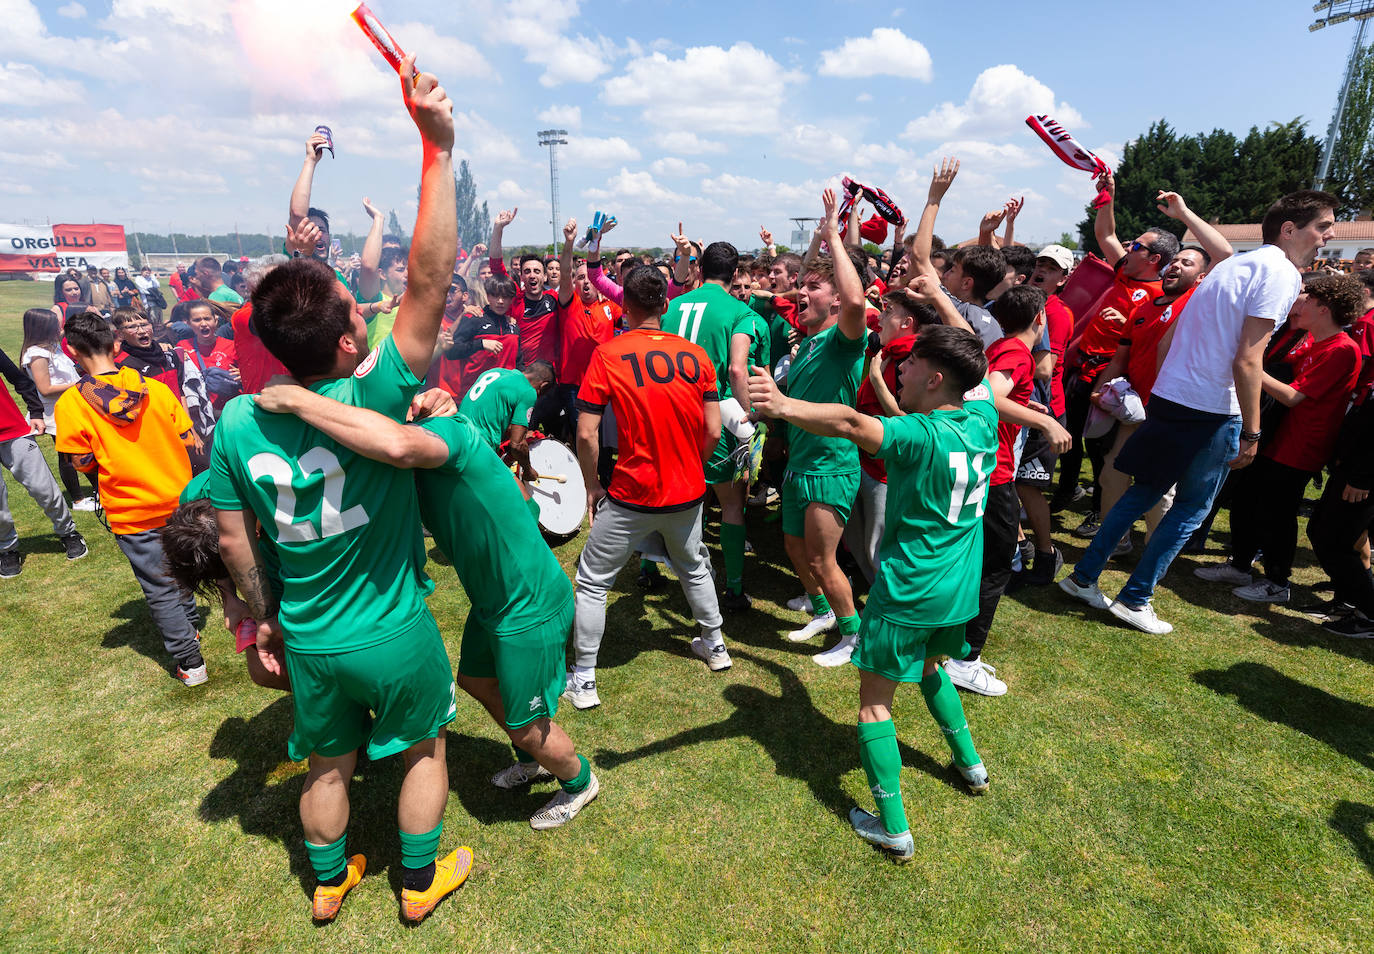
192, 114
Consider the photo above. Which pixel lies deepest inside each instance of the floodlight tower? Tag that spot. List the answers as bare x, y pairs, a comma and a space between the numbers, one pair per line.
1334, 12
553, 138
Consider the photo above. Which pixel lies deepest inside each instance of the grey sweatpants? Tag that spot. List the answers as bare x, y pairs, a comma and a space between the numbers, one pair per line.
863, 531
174, 610
613, 538
22, 458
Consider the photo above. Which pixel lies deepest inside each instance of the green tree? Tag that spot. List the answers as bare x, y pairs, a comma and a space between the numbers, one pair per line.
393, 226
1350, 176
474, 222
1068, 241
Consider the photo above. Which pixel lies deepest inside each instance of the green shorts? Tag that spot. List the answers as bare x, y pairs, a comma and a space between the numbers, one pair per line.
720, 469
389, 696
801, 490
899, 652
528, 666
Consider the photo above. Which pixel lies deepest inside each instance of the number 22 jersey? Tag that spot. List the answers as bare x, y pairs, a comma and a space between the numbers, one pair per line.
346, 528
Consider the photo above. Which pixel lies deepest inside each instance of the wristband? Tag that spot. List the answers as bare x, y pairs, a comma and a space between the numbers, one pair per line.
594, 263
1251, 437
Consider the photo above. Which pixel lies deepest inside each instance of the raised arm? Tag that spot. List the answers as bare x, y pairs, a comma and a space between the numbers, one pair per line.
682, 256
565, 264
940, 181
849, 288
828, 420
927, 290
435, 242
299, 206
364, 432
1013, 210
497, 254
1216, 247
987, 228
369, 278
851, 230
1104, 225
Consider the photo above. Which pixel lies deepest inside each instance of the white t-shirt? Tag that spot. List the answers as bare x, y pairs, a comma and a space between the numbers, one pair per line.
61, 371
1197, 371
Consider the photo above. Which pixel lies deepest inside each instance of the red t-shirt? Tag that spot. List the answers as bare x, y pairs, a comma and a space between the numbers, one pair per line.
537, 319
1324, 372
657, 383
1012, 358
581, 327
256, 363
867, 402
1102, 334
13, 422
1362, 332
1059, 321
1149, 323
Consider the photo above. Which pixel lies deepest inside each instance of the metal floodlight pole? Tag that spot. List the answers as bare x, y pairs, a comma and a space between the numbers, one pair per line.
1340, 11
553, 138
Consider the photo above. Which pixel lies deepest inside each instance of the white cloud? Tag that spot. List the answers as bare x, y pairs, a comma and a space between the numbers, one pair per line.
72, 11
447, 54
886, 51
687, 142
864, 98
591, 151
675, 168
634, 186
977, 155
562, 116
997, 105
22, 84
537, 27
704, 87
814, 144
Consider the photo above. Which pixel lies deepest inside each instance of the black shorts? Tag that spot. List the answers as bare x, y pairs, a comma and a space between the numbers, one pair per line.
1037, 460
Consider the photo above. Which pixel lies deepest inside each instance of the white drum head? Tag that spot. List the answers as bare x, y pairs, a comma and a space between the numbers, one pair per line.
562, 503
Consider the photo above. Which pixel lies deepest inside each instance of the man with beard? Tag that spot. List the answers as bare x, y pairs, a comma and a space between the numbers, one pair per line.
535, 311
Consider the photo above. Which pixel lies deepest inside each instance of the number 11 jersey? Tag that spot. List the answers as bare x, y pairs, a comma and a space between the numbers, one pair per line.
346, 528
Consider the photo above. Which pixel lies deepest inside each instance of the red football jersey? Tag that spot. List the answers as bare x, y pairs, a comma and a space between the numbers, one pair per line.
1012, 358
581, 327
1148, 325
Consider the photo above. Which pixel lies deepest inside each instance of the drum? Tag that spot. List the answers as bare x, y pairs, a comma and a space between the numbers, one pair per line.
559, 489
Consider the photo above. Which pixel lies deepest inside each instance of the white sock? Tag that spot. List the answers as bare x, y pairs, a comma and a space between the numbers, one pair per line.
584, 675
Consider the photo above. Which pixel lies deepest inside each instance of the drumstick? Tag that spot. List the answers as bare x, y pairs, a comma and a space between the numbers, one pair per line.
561, 478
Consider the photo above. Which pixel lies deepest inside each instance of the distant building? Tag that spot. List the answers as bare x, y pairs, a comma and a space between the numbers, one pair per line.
1350, 237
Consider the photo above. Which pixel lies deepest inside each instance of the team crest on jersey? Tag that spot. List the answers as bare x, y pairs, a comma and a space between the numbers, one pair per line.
1167, 314
1138, 295
368, 364
979, 393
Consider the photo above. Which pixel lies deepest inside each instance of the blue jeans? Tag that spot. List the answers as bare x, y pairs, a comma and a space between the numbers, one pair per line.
1197, 488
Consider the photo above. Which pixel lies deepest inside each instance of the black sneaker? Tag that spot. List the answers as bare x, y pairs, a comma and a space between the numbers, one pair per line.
1045, 569
1327, 611
11, 562
75, 545
1354, 626
649, 578
733, 602
1089, 527
1027, 553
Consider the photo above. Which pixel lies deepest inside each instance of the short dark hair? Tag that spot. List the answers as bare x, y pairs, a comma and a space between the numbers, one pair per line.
122, 316
1299, 207
645, 288
314, 213
500, 285
823, 267
300, 316
230, 267
1016, 308
552, 258
918, 311
1343, 295
190, 549
719, 262
1366, 278
956, 352
1165, 245
209, 265
390, 256
1206, 259
1020, 258
985, 265
531, 257
790, 261
88, 333
541, 367
460, 282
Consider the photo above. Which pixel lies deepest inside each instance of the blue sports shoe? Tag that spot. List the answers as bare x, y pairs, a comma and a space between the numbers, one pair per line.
870, 828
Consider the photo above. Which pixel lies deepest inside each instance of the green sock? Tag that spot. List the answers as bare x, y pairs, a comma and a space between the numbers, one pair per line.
577, 784
648, 566
328, 860
883, 765
732, 546
522, 756
942, 699
418, 851
819, 605
849, 625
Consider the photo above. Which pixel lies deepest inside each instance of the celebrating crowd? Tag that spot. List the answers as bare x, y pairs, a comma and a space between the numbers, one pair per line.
282, 435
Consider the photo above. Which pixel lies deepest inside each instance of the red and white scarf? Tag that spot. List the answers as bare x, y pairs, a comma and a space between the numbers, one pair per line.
1067, 148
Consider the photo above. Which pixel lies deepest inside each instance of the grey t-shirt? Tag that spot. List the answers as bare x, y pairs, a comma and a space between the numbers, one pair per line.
979, 317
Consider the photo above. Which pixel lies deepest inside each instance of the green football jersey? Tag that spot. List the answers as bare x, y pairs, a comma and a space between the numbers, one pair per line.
497, 399
760, 351
938, 465
708, 316
826, 370
480, 521
346, 529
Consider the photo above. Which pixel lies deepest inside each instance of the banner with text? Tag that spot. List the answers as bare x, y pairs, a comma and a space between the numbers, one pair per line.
44, 252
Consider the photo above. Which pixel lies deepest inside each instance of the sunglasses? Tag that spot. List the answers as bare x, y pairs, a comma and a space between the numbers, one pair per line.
1137, 247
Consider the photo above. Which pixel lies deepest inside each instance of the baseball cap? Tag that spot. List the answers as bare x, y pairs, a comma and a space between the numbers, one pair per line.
1057, 254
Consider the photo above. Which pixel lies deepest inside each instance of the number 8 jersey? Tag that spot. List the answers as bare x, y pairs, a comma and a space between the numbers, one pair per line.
347, 529
931, 555
658, 385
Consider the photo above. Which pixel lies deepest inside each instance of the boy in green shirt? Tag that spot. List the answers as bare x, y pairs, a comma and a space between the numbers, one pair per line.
500, 404
938, 456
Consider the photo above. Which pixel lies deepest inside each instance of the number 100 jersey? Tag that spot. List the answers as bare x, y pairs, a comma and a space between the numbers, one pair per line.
346, 528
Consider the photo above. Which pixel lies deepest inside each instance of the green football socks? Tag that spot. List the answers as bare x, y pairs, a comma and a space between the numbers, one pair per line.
328, 860
819, 605
882, 764
522, 756
942, 699
849, 625
579, 783
732, 546
417, 851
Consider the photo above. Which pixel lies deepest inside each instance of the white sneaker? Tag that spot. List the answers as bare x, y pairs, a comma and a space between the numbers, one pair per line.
1089, 594
85, 505
975, 777
715, 657
765, 496
1263, 591
1143, 619
975, 676
800, 604
563, 808
1223, 573
818, 624
838, 654
581, 693
193, 677
518, 773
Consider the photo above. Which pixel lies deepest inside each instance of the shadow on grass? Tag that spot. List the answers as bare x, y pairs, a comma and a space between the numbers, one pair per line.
1347, 727
1299, 631
1354, 820
140, 633
472, 760
802, 741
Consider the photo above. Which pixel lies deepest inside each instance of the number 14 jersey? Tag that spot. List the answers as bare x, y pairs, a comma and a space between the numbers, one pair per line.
346, 528
931, 555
